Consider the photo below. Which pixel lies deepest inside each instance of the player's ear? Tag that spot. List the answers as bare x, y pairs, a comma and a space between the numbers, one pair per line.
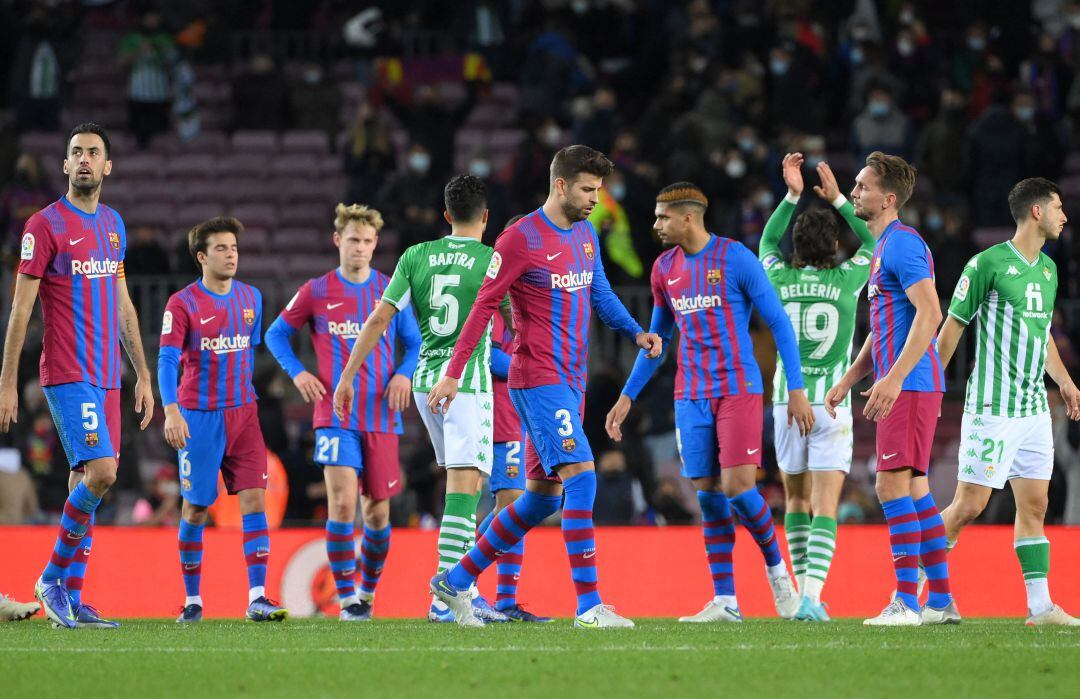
108, 168
484, 216
337, 239
446, 217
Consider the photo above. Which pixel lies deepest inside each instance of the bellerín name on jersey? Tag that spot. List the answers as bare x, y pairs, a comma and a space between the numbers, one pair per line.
693, 304
95, 268
572, 281
348, 329
223, 344
825, 291
460, 259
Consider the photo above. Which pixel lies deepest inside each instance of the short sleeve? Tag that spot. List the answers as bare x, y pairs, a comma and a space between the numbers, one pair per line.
38, 247
399, 290
298, 311
174, 324
971, 290
908, 258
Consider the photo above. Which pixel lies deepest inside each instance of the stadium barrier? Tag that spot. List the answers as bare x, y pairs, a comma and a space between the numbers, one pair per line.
644, 571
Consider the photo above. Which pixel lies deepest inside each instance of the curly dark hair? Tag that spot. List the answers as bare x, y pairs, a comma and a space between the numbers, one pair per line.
465, 197
815, 237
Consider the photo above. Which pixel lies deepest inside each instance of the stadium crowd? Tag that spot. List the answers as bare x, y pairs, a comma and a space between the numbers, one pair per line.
711, 92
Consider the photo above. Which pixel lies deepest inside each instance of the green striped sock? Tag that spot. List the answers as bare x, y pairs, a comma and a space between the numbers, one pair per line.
797, 531
1034, 555
819, 553
457, 533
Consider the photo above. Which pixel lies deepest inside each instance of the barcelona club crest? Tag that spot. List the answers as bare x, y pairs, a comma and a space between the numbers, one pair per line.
114, 239
569, 444
589, 252
249, 316
91, 439
512, 471
713, 276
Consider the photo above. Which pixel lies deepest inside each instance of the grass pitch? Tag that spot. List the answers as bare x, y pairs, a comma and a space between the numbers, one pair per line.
661, 658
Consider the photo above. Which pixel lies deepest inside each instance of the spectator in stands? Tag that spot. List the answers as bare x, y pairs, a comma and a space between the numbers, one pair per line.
530, 167
149, 55
18, 499
412, 200
950, 230
613, 227
368, 154
1046, 136
37, 76
595, 119
795, 95
145, 253
619, 498
316, 102
881, 126
1000, 154
260, 97
1048, 77
498, 195
28, 192
551, 69
434, 124
670, 504
42, 454
942, 151
911, 60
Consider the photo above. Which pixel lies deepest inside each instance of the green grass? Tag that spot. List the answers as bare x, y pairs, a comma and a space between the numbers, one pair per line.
764, 659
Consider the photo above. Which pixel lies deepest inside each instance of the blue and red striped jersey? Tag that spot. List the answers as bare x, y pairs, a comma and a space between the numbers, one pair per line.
216, 334
555, 278
507, 426
79, 258
901, 258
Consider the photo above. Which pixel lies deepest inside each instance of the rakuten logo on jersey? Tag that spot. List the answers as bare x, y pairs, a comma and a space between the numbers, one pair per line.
574, 281
693, 304
92, 269
224, 344
348, 329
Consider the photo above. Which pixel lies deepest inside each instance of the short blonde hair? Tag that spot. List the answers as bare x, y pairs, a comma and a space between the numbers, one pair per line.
344, 214
895, 174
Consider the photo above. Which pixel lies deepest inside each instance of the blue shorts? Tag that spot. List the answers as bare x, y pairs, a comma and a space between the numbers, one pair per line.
552, 418
87, 419
227, 441
337, 446
717, 433
507, 473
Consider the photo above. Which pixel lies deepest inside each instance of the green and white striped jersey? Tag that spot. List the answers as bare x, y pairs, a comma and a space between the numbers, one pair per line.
442, 277
1013, 301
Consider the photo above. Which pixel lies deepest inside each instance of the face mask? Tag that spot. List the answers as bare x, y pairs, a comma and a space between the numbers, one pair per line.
480, 168
1025, 113
551, 136
746, 145
617, 190
976, 43
735, 169
905, 48
764, 200
1074, 21
907, 17
857, 56
420, 162
580, 7
934, 222
312, 77
860, 33
812, 161
778, 66
699, 64
878, 108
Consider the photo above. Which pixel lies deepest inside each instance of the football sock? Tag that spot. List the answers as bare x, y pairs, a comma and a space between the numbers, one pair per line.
508, 567
797, 531
76, 572
190, 541
718, 526
755, 515
819, 554
458, 529
904, 538
78, 510
577, 530
506, 530
932, 552
341, 552
256, 553
1034, 555
482, 529
374, 548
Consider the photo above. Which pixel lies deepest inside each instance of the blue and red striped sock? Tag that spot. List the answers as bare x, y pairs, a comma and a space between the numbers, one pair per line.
932, 550
506, 530
374, 548
904, 535
256, 553
341, 553
482, 529
508, 566
190, 541
78, 511
719, 528
580, 539
76, 572
755, 515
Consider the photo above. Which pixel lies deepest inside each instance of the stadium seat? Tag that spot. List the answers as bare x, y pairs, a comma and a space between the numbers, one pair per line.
43, 143
985, 237
247, 190
159, 214
190, 214
304, 214
265, 142
255, 239
310, 142
262, 266
295, 165
307, 266
300, 239
242, 165
306, 191
149, 191
139, 166
261, 214
207, 141
192, 165
203, 189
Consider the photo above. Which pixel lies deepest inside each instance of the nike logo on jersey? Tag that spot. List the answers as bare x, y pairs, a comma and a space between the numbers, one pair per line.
886, 457
552, 257
266, 476
332, 306
391, 484
673, 281
204, 321
750, 452
76, 241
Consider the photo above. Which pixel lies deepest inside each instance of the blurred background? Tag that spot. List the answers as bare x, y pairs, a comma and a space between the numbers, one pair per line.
275, 110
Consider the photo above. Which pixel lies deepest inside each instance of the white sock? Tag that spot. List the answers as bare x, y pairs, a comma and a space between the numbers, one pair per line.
255, 593
812, 589
726, 601
365, 596
1038, 595
197, 599
777, 571
346, 601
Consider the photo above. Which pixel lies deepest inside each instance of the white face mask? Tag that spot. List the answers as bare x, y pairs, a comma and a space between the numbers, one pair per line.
480, 168
551, 136
420, 162
735, 169
764, 200
617, 190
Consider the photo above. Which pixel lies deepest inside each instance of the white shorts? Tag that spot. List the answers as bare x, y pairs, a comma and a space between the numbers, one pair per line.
461, 437
994, 449
827, 448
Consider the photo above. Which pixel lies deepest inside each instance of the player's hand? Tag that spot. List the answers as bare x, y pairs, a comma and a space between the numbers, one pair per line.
1071, 395
144, 401
398, 392
829, 190
343, 397
799, 411
443, 394
176, 427
616, 416
836, 396
311, 389
9, 407
650, 342
881, 397
792, 170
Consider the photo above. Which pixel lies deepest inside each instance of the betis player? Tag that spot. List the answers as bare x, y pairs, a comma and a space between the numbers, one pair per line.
1010, 290
820, 298
211, 328
72, 254
361, 450
706, 285
905, 399
440, 278
549, 261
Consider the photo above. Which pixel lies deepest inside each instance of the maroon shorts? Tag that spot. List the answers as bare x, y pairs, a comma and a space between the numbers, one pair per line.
718, 431
244, 464
381, 477
906, 436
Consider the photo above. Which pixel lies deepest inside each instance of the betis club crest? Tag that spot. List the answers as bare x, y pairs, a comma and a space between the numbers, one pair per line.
713, 276
91, 439
114, 239
1046, 273
569, 444
589, 252
249, 316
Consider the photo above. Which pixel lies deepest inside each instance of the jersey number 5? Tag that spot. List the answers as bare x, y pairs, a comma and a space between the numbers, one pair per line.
440, 300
